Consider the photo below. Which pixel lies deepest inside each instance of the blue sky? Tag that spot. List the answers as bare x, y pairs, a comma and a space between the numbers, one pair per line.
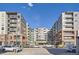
40, 15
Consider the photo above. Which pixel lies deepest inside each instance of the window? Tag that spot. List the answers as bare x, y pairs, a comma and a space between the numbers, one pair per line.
12, 16
2, 24
10, 37
23, 37
8, 32
2, 28
69, 22
76, 20
12, 27
76, 15
18, 16
8, 25
8, 20
8, 29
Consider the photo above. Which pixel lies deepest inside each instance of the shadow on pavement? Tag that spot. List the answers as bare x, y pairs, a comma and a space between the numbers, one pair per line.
58, 51
2, 52
54, 51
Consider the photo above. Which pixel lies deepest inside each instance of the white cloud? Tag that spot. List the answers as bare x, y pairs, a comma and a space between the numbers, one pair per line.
30, 4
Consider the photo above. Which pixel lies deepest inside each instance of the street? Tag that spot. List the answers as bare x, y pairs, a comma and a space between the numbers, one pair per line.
40, 51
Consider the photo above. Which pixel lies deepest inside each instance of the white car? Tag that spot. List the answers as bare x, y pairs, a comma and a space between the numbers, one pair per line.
12, 48
36, 46
9, 48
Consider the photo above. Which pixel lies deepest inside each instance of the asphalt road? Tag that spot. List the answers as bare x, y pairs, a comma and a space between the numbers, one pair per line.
34, 51
29, 51
40, 51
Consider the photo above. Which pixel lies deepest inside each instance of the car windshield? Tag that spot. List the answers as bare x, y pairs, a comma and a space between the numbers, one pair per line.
7, 46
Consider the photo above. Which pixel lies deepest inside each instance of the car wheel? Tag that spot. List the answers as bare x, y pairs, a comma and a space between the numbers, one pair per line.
14, 50
3, 50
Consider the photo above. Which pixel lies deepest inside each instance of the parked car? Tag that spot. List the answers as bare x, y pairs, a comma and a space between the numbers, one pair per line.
47, 46
12, 48
72, 49
1, 49
18, 48
36, 46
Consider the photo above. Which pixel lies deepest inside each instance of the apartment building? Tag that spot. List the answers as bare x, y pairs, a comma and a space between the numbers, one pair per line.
12, 29
30, 35
41, 36
27, 32
64, 29
50, 37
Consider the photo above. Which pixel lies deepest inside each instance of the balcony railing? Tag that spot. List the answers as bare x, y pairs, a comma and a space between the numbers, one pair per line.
68, 34
68, 25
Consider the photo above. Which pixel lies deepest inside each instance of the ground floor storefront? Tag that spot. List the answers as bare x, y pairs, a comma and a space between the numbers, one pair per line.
13, 40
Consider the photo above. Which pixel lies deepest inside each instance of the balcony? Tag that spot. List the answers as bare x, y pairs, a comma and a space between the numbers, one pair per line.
12, 25
69, 16
68, 25
68, 37
68, 40
69, 20
13, 31
68, 33
13, 20
68, 28
69, 13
